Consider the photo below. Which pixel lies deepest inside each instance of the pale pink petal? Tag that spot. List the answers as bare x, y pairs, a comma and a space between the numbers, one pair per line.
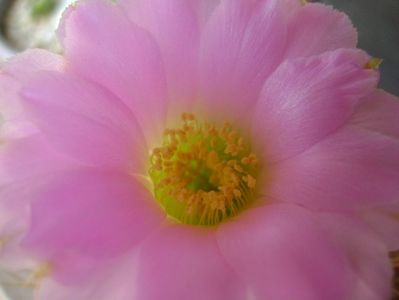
26, 160
318, 28
242, 44
91, 212
90, 279
24, 65
175, 26
104, 46
351, 169
13, 123
17, 70
26, 164
306, 99
85, 121
281, 253
367, 253
179, 263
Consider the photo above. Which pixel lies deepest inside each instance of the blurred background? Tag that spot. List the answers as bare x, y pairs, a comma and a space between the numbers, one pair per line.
31, 23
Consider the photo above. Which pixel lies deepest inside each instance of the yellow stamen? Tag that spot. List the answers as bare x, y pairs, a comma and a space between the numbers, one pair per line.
203, 174
374, 63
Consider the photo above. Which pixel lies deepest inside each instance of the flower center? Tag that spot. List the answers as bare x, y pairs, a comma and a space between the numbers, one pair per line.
202, 173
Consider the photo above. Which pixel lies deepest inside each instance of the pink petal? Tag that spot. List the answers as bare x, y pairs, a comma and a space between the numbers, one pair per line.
351, 169
179, 263
281, 253
306, 99
85, 121
25, 164
385, 223
379, 113
242, 44
205, 9
368, 255
92, 213
318, 28
290, 8
175, 26
104, 46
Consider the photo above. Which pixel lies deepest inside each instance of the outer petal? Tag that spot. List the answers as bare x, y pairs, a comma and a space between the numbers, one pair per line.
12, 74
281, 253
351, 169
379, 113
26, 160
368, 255
103, 45
91, 212
85, 121
179, 263
306, 99
175, 26
318, 28
242, 44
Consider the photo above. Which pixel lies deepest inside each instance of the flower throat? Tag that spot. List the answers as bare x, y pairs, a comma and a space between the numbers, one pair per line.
203, 174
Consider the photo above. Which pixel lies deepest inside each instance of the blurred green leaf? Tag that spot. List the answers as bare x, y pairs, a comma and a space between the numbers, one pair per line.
43, 8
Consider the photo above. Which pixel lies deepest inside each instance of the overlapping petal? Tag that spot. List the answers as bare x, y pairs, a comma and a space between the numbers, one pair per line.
27, 161
242, 43
175, 25
318, 28
281, 253
102, 45
306, 99
367, 253
19, 69
379, 113
85, 121
192, 258
110, 213
352, 169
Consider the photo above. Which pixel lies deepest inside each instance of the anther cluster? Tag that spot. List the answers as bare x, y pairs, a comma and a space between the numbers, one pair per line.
202, 173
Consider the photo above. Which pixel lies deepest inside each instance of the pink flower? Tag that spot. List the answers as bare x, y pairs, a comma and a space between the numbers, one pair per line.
218, 150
